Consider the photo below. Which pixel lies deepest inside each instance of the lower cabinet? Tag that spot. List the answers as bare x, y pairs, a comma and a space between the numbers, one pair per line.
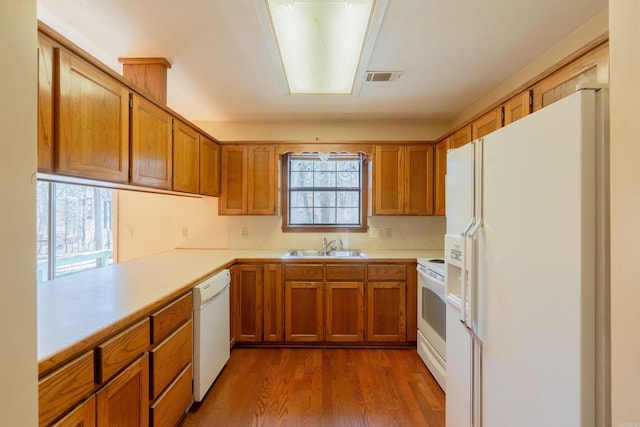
386, 302
170, 406
124, 401
84, 415
303, 312
344, 312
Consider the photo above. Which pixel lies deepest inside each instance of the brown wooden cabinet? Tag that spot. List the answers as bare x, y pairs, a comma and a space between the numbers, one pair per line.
344, 311
460, 137
151, 144
233, 306
170, 363
45, 105
386, 302
440, 173
84, 415
249, 288
92, 132
248, 180
303, 311
124, 401
273, 325
403, 179
209, 167
186, 158
487, 123
518, 107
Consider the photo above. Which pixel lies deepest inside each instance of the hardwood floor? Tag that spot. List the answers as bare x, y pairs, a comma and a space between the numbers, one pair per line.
322, 387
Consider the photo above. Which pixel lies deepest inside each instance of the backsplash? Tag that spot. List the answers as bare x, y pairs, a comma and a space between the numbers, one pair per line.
385, 232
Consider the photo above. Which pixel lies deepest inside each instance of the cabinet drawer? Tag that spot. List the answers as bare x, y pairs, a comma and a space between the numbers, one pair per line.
173, 403
122, 349
345, 273
387, 272
303, 272
169, 357
65, 387
167, 320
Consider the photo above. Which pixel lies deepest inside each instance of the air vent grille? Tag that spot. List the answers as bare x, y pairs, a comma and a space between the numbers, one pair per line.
382, 76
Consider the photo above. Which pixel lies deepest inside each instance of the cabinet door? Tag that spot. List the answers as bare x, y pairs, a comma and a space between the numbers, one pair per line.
460, 137
250, 297
344, 315
84, 415
233, 165
273, 301
261, 185
418, 181
440, 174
303, 312
386, 304
151, 144
93, 122
209, 167
488, 123
45, 105
186, 158
518, 107
124, 401
592, 67
388, 180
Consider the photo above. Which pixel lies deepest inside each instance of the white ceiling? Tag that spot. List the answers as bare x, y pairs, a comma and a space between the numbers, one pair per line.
451, 52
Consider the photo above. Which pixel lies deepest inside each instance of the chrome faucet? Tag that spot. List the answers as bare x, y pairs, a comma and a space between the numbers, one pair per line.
327, 246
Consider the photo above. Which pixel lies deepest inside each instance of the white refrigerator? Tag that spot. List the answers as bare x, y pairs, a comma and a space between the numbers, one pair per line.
526, 254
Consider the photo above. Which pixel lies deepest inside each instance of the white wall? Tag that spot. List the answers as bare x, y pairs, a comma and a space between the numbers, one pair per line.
331, 131
151, 223
18, 119
625, 212
591, 30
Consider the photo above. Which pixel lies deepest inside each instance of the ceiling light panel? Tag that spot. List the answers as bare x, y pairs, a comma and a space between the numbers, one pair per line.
320, 42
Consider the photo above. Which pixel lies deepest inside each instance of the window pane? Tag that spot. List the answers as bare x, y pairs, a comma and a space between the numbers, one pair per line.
320, 166
301, 180
301, 216
324, 216
349, 216
42, 231
348, 165
301, 199
324, 199
348, 199
349, 179
301, 165
325, 179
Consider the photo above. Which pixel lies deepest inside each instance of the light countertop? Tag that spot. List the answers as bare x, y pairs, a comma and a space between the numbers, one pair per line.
77, 312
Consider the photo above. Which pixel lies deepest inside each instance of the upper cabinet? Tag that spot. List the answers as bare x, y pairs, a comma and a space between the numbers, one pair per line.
186, 158
440, 174
45, 105
487, 123
209, 167
518, 107
93, 122
403, 179
151, 144
460, 137
248, 184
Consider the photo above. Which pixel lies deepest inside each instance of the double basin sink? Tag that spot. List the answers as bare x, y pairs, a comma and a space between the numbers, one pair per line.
314, 253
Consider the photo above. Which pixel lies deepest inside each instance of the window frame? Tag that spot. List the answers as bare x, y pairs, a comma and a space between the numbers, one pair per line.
324, 228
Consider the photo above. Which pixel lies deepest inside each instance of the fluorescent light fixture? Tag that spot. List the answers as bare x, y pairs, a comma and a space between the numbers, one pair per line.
321, 43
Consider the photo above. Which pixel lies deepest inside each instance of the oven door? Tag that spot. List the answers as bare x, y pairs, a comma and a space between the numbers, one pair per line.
432, 312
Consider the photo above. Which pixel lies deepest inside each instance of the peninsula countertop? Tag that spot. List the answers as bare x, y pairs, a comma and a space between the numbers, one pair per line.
77, 312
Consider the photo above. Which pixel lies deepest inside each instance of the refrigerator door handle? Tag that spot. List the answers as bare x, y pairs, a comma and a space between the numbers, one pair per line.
463, 275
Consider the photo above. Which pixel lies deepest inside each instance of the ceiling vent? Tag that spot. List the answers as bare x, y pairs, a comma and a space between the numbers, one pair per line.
382, 76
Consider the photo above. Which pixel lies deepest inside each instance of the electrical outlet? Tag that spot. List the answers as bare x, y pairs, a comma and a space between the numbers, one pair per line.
128, 232
185, 231
388, 232
243, 232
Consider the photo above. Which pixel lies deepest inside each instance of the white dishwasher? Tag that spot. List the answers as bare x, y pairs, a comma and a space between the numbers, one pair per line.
210, 331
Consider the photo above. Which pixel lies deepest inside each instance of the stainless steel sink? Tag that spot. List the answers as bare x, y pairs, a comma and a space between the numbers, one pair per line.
314, 253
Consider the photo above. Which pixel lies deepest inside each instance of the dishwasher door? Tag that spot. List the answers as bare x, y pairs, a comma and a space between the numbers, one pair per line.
210, 331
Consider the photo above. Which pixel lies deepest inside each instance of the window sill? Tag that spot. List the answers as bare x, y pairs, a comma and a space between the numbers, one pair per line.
323, 229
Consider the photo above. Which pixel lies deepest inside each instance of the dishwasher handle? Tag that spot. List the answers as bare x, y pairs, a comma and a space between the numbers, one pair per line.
210, 288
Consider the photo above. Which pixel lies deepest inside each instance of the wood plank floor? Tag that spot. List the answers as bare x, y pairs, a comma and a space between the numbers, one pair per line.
322, 387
